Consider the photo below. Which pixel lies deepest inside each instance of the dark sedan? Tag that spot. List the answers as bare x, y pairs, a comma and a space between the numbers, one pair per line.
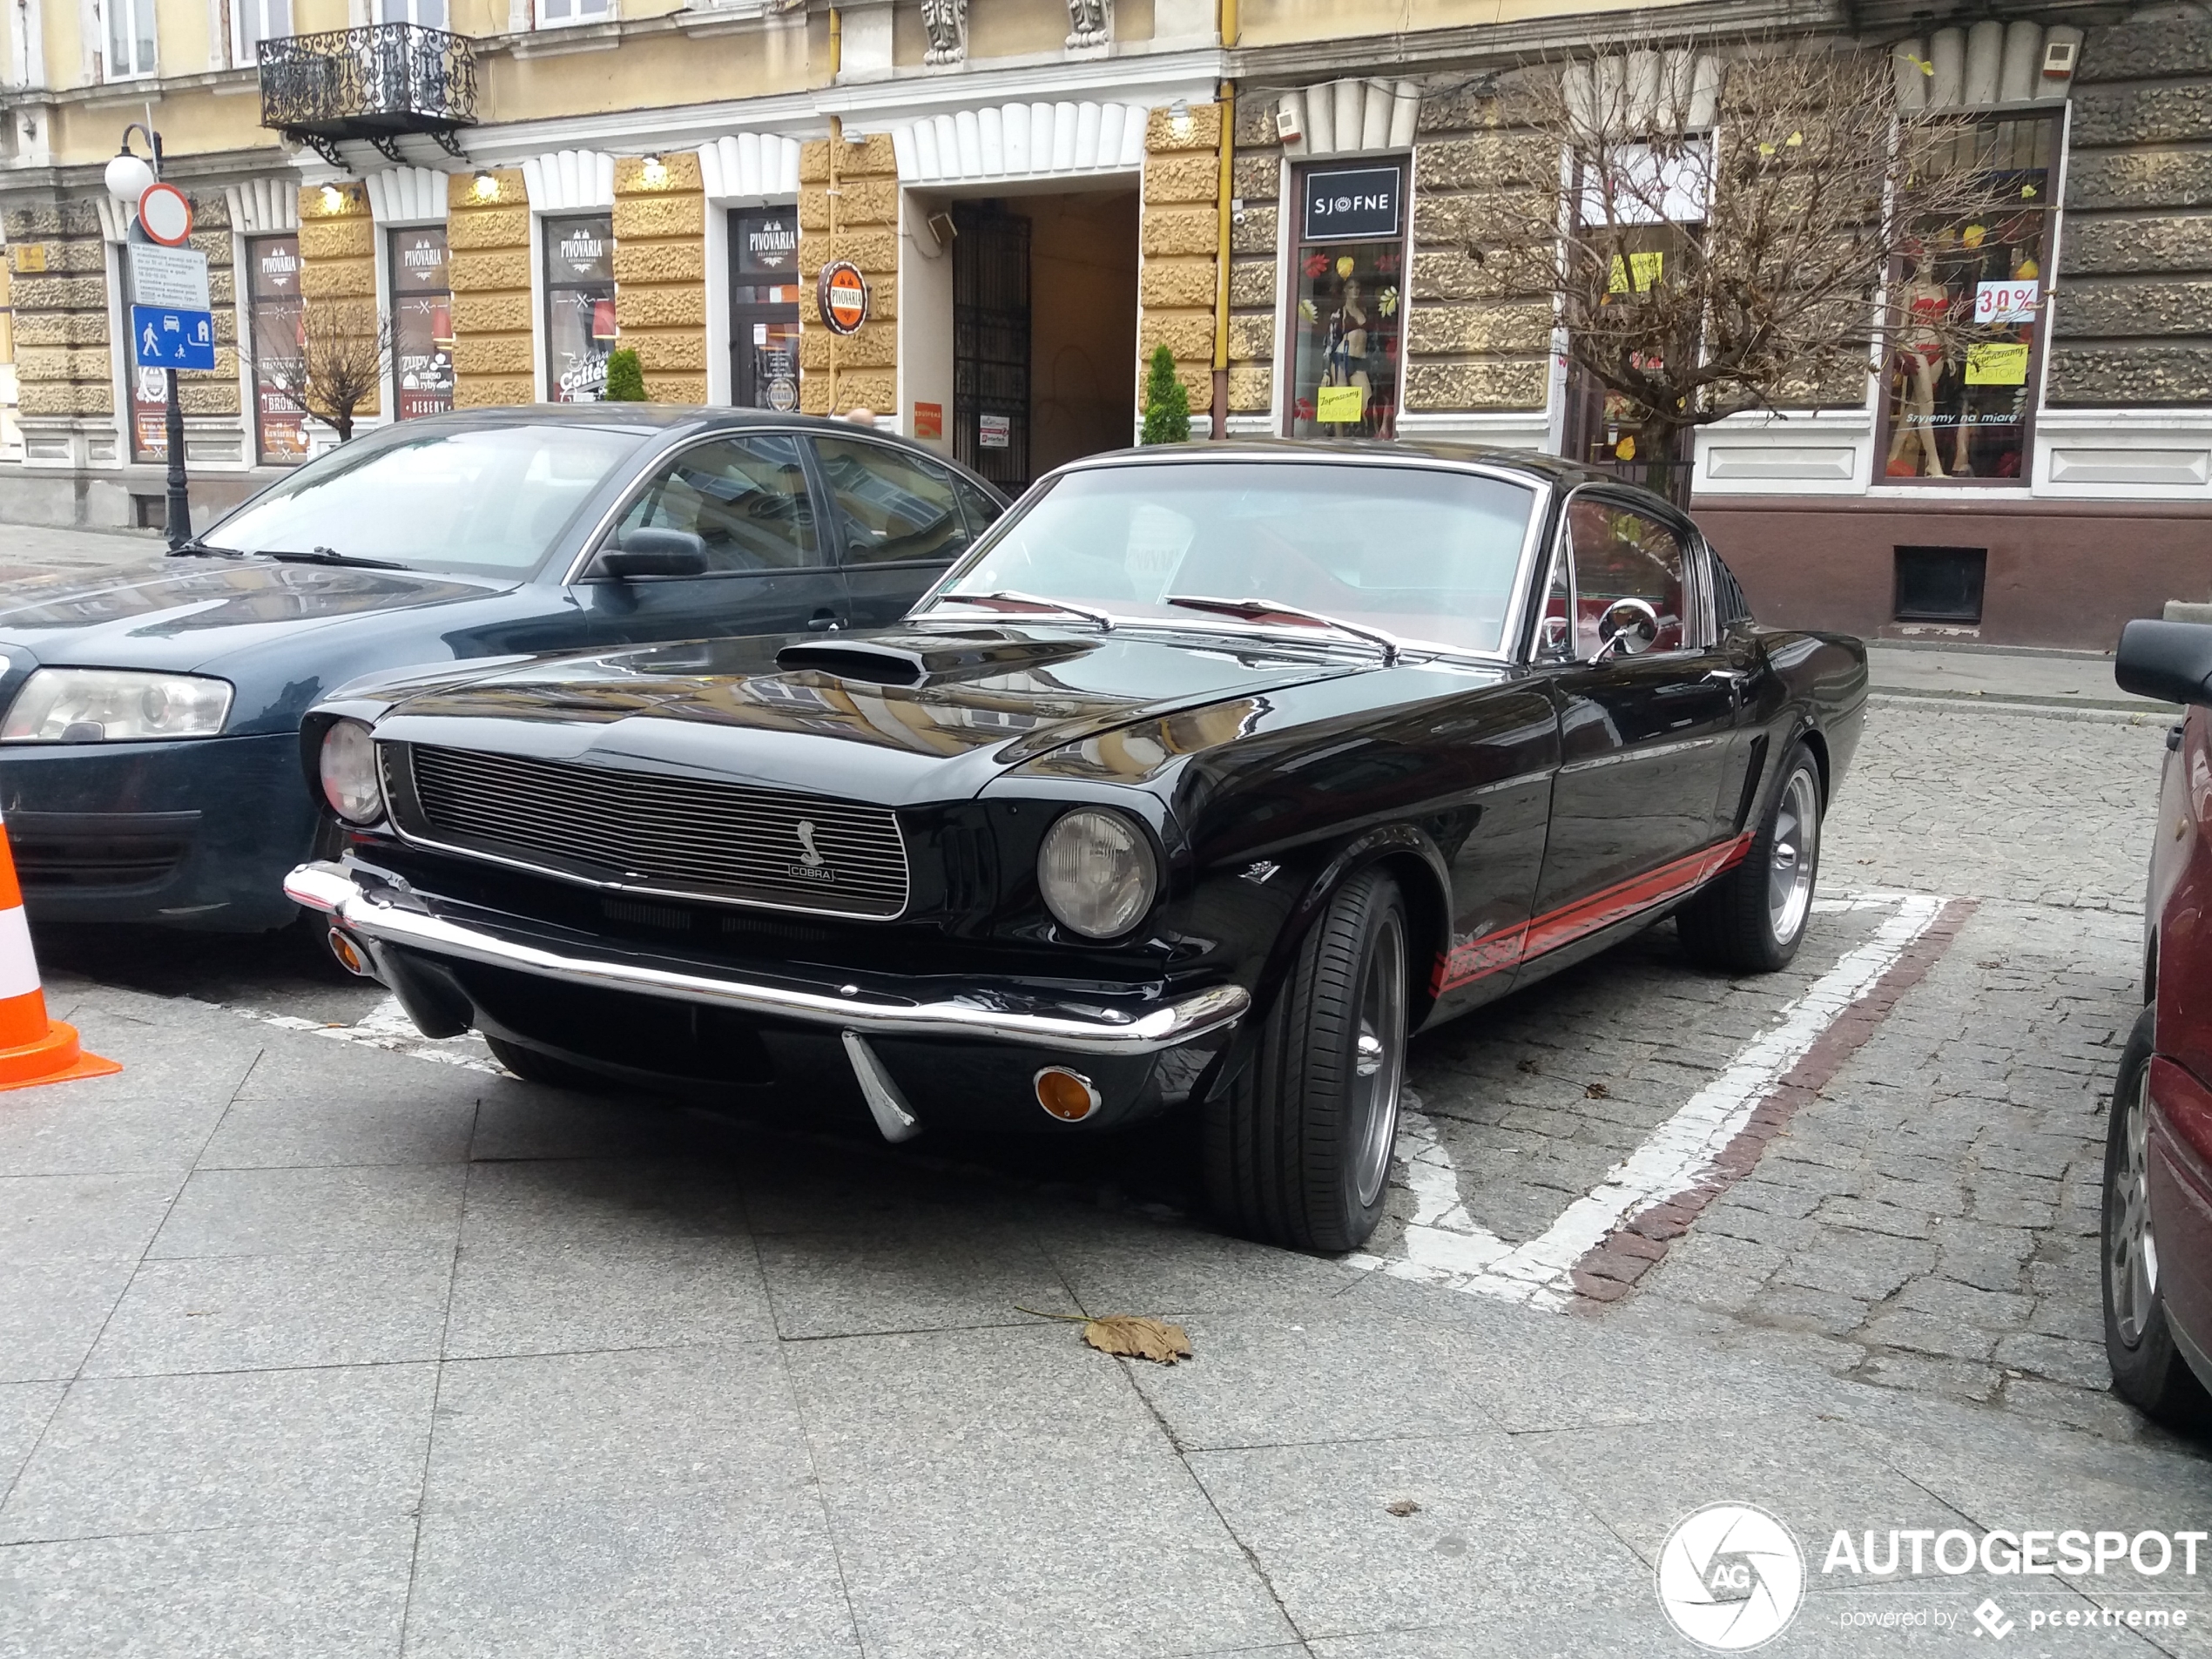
1211, 775
149, 749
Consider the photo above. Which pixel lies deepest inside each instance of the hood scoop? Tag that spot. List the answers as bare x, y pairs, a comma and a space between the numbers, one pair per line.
919, 659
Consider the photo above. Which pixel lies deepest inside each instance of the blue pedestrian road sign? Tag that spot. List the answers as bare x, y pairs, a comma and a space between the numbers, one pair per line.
161, 338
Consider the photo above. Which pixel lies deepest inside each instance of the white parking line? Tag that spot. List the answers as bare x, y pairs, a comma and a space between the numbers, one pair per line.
386, 1027
1445, 1245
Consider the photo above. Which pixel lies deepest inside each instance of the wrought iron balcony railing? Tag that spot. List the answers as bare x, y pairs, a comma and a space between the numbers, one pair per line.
374, 83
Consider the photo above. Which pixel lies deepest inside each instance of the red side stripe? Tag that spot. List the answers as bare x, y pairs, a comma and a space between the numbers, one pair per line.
1479, 958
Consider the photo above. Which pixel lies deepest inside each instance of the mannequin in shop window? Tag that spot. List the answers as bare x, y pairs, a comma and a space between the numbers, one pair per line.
1921, 360
1344, 361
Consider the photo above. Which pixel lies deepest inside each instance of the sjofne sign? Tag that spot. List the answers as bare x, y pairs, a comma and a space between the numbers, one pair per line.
1354, 204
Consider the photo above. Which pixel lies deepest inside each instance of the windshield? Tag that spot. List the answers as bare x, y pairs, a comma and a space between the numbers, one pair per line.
1426, 556
483, 499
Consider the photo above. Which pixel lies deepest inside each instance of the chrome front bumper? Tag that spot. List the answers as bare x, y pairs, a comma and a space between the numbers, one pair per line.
384, 915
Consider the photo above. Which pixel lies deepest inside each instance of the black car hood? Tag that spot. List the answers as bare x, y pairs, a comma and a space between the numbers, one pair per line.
194, 611
997, 696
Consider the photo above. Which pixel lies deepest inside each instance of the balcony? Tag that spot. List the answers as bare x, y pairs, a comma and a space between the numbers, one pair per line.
373, 85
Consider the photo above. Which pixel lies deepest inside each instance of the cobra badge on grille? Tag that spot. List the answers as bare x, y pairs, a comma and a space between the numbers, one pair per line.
811, 867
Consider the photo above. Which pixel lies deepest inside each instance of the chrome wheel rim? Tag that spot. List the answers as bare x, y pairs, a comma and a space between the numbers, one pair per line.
2131, 1254
1794, 858
1379, 1062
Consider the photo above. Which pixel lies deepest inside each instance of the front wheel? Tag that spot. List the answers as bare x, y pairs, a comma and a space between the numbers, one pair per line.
2147, 1370
1297, 1146
1752, 919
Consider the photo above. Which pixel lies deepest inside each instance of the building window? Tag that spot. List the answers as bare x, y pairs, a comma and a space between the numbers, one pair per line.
426, 14
1963, 410
554, 13
764, 309
273, 325
1940, 584
255, 21
1346, 322
422, 322
129, 38
579, 307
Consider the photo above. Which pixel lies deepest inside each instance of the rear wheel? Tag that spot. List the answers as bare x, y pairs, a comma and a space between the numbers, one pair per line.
1752, 919
1298, 1147
2148, 1372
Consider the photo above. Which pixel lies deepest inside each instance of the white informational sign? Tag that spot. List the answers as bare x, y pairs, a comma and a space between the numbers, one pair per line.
994, 432
174, 278
2002, 304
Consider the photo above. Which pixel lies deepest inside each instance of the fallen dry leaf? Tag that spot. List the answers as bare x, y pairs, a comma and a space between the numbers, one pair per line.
1402, 1506
1139, 1338
1525, 1065
1596, 1091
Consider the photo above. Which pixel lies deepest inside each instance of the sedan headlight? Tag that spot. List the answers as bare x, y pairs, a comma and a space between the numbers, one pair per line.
348, 766
114, 705
1097, 873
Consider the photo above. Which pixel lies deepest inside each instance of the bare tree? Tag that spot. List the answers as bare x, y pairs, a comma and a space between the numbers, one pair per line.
1721, 228
343, 351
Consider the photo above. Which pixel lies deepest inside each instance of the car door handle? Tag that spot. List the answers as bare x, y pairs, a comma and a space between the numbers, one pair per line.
823, 621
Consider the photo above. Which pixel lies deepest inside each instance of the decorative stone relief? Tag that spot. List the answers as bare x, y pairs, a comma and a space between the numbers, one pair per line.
1090, 23
946, 22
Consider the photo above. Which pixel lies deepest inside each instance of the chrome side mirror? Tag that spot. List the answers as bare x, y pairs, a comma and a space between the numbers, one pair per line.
1554, 640
1629, 628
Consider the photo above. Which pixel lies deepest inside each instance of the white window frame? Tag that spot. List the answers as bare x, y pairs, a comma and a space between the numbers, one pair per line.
109, 10
245, 38
580, 12
415, 12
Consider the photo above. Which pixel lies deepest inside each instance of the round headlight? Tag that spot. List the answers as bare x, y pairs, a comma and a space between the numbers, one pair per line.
348, 768
1097, 873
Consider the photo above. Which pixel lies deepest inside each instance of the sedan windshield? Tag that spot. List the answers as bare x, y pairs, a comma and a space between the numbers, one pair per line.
1425, 555
480, 499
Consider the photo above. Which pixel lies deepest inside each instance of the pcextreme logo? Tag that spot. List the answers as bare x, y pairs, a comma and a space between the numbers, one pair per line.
1730, 1577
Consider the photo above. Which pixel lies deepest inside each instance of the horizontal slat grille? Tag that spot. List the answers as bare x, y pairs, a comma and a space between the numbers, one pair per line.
677, 834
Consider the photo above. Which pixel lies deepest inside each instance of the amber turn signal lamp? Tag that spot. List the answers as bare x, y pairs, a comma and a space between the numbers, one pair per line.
1068, 1095
348, 954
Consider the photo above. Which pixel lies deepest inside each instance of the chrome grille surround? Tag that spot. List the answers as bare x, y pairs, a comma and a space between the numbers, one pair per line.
652, 832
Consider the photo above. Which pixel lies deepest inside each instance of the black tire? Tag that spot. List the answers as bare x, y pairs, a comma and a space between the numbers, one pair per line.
534, 1066
1291, 1145
1742, 923
2148, 1371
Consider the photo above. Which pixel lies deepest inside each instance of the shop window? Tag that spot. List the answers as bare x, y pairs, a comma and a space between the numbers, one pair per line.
129, 38
422, 322
579, 307
764, 309
1963, 410
1940, 584
1347, 318
273, 326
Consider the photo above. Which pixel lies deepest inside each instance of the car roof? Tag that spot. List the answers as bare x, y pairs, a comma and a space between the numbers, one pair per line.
1565, 474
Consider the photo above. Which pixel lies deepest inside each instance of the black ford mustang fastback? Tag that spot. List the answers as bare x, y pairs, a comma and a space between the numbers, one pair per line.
1209, 776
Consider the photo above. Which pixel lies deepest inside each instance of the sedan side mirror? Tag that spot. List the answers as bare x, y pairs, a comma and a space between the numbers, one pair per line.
654, 552
1629, 628
2171, 661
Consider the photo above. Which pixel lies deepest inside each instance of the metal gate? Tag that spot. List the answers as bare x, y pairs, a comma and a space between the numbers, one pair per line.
991, 343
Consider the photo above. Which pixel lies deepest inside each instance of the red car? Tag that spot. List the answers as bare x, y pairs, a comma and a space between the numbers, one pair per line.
2158, 1151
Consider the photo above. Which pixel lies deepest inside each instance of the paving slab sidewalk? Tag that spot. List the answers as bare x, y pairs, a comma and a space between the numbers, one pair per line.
523, 1373
2050, 679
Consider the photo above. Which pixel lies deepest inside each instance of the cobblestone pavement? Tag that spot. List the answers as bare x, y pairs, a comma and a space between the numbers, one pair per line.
1928, 1223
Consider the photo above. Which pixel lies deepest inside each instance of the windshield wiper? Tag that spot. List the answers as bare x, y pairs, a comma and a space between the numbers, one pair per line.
1253, 610
196, 546
331, 555
1014, 601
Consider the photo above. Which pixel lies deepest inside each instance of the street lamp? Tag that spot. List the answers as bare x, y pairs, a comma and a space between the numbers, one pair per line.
128, 177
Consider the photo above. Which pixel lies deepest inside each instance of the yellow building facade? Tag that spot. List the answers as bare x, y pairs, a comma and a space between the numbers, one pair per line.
1037, 194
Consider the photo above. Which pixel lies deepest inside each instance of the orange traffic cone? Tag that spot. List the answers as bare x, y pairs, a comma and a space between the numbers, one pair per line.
33, 1048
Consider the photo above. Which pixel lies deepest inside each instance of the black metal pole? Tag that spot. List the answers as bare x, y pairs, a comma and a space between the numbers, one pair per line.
174, 440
